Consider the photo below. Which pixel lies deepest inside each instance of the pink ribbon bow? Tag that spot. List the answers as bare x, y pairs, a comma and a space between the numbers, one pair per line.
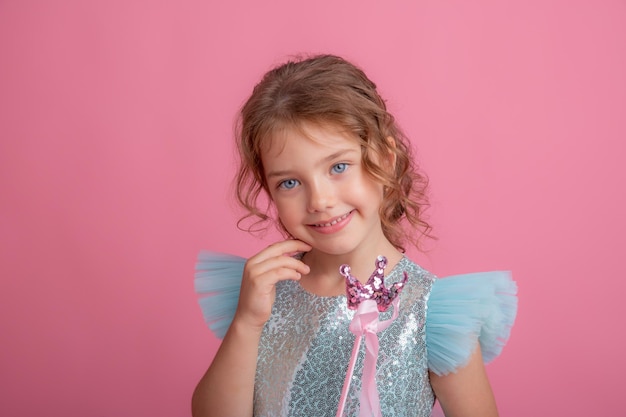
366, 323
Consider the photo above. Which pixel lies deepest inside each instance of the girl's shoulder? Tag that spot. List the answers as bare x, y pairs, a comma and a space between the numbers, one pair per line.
465, 309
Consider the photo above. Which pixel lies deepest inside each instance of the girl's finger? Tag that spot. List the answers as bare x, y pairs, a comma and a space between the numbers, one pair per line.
275, 263
285, 247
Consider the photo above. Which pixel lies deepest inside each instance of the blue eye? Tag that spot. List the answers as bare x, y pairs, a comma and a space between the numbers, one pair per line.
339, 168
288, 184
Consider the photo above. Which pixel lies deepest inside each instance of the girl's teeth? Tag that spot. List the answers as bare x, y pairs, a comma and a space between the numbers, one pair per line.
334, 221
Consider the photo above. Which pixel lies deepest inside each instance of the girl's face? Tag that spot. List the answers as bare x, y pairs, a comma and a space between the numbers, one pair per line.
322, 193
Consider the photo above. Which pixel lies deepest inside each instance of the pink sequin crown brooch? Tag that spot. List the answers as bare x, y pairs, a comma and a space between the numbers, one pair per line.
374, 288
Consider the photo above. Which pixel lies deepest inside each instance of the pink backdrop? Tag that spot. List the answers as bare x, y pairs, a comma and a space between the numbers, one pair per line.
115, 159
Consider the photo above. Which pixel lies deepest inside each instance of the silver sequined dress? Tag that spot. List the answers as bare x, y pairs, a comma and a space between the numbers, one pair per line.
306, 345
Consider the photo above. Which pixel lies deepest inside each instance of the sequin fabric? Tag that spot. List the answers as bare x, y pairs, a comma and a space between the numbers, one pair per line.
306, 344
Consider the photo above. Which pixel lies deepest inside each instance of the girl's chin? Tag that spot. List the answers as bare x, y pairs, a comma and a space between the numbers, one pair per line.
332, 249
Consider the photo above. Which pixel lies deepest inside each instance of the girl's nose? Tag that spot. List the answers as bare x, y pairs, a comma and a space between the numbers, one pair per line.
321, 197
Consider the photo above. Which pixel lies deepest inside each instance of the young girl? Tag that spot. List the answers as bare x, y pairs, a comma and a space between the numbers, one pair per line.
314, 331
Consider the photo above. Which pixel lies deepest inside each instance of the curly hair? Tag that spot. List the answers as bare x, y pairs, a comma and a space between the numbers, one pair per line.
328, 90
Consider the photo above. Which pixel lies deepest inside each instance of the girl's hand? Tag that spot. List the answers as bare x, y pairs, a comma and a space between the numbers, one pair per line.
260, 275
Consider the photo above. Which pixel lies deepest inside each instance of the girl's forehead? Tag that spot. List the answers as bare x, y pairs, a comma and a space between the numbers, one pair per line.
323, 134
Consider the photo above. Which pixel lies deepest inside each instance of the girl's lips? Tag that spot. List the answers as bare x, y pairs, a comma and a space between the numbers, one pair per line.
333, 225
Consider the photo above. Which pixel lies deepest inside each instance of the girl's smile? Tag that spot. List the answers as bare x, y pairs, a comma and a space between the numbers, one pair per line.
333, 225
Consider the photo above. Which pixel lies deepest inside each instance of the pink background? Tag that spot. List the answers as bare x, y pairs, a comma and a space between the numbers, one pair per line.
116, 156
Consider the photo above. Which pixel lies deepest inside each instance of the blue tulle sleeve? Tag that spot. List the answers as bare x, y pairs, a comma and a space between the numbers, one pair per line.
218, 281
464, 308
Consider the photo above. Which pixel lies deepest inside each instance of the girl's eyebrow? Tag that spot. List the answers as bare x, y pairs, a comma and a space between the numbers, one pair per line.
336, 155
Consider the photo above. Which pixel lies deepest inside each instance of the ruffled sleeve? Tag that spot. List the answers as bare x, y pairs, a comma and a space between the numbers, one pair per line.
463, 308
218, 281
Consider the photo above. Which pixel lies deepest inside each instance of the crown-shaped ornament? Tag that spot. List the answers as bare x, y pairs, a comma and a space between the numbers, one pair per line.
374, 288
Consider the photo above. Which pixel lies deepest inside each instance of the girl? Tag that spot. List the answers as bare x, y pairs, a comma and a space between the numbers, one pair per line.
316, 138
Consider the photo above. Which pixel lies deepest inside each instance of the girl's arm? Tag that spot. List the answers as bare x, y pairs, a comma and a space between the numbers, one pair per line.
467, 392
227, 388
